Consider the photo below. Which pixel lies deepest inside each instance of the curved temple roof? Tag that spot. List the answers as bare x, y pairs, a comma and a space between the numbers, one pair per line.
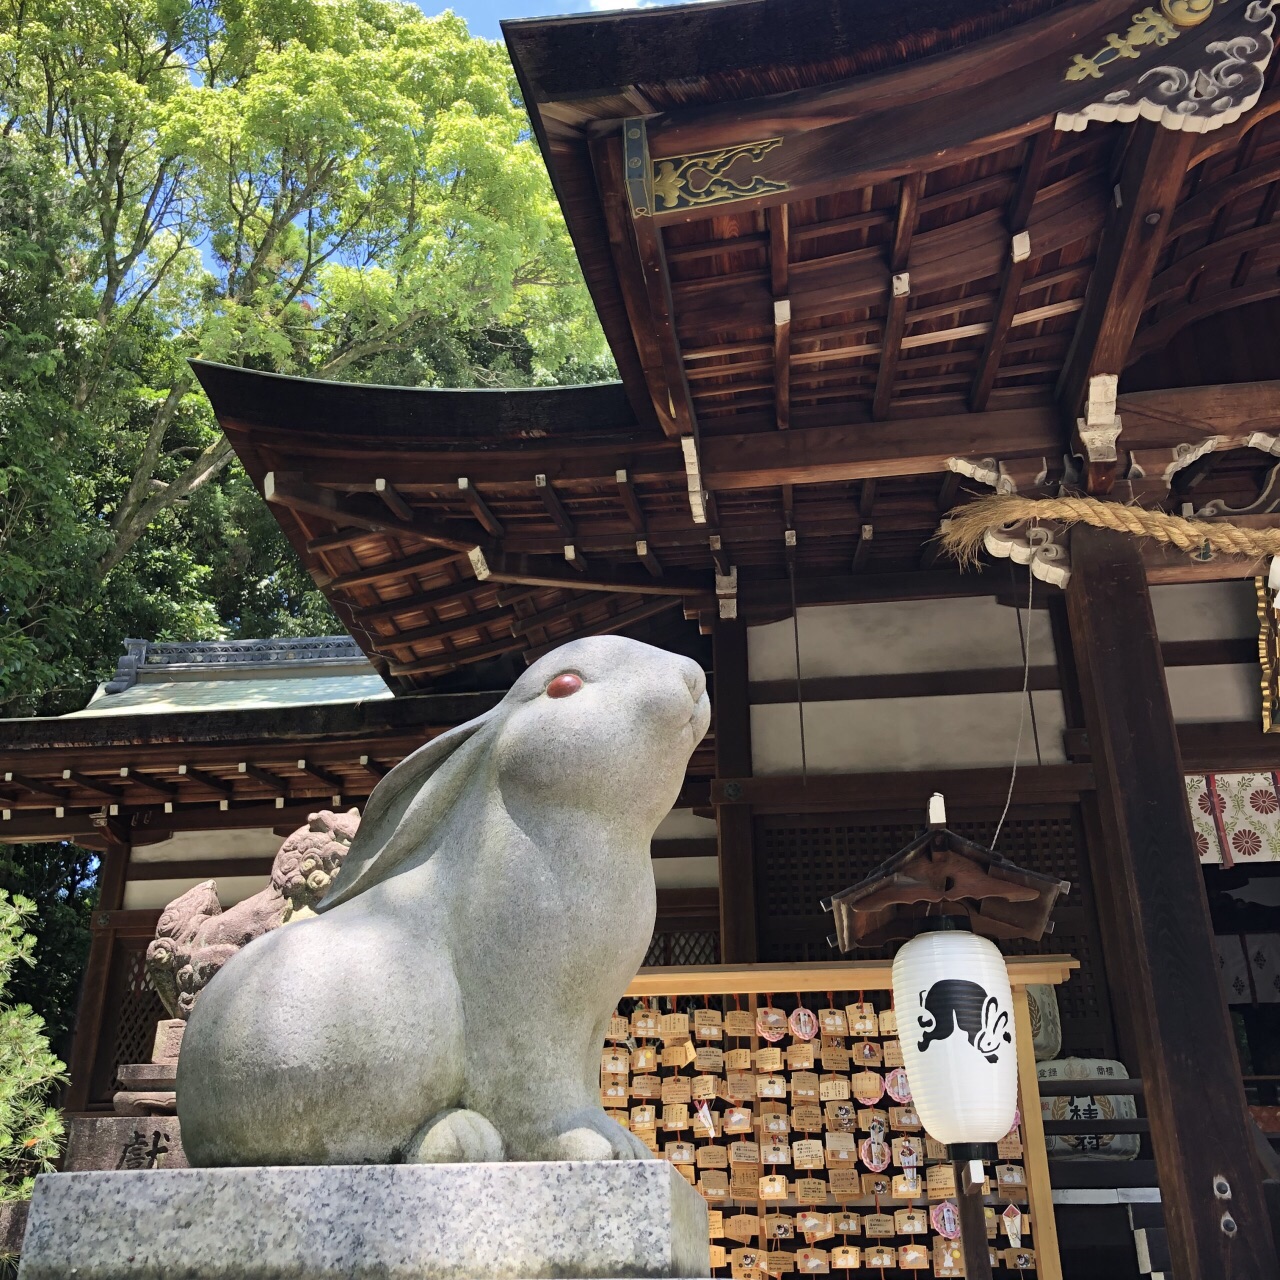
427, 416
857, 261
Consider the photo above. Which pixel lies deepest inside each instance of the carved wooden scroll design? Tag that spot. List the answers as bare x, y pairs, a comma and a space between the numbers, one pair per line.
1206, 91
714, 177
1037, 546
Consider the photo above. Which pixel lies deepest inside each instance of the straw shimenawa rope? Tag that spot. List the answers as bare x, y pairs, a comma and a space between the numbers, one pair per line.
969, 525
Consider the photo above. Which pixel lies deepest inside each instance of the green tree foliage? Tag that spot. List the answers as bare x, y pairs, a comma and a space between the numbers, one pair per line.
30, 1130
60, 881
341, 188
338, 188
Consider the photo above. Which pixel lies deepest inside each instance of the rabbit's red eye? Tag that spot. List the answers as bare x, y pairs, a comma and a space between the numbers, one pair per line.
563, 685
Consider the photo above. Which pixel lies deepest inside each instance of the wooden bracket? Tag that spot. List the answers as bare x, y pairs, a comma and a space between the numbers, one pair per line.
693, 473
647, 557
727, 593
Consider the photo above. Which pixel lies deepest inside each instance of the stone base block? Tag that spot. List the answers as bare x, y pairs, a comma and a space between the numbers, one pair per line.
123, 1142
149, 1075
168, 1041
133, 1102
618, 1219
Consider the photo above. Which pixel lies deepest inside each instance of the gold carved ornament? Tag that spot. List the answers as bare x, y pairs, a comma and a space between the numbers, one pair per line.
1153, 26
1268, 656
714, 177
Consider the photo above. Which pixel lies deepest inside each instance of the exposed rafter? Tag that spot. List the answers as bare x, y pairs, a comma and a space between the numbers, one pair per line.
1016, 269
606, 626
289, 489
1151, 173
899, 296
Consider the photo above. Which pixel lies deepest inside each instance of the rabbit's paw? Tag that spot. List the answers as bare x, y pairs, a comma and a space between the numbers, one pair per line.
591, 1135
455, 1137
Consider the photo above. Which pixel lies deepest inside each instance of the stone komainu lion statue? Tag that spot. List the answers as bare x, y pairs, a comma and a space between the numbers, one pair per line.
195, 937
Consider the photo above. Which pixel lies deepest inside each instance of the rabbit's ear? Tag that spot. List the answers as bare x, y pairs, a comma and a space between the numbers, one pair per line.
404, 808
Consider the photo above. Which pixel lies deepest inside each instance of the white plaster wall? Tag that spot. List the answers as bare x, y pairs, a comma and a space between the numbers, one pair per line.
965, 731
253, 842
1205, 610
1202, 695
897, 638
670, 873
141, 895
684, 824
686, 873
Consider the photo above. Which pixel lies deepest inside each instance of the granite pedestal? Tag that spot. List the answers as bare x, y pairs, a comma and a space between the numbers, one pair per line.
624, 1218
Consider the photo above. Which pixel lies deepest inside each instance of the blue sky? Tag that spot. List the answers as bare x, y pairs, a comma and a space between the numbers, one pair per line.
483, 16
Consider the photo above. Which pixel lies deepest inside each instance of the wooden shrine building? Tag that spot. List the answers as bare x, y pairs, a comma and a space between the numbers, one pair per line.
859, 264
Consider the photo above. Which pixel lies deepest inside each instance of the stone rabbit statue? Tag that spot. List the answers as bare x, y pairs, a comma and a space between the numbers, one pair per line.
450, 1000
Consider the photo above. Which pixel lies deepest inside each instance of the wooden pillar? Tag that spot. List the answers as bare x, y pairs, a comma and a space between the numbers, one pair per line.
1110, 914
1158, 933
112, 871
1035, 1157
733, 821
973, 1219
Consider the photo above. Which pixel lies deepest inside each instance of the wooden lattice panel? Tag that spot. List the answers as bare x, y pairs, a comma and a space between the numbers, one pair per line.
683, 947
135, 1009
801, 860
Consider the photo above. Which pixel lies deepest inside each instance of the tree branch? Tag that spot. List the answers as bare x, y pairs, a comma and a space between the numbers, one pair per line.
344, 356
199, 473
151, 452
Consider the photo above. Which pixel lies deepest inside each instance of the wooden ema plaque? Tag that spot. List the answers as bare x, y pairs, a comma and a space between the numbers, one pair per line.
776, 1136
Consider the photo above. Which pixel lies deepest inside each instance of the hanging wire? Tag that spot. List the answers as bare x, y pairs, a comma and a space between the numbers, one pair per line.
1022, 642
795, 628
1022, 713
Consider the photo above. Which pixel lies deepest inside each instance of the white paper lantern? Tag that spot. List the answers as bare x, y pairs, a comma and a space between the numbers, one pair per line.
955, 1020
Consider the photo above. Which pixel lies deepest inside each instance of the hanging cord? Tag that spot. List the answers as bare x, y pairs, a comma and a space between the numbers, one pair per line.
1022, 714
1022, 641
795, 628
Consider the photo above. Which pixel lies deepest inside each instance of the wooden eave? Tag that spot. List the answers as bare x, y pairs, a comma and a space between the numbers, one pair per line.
931, 246
917, 226
437, 522
61, 778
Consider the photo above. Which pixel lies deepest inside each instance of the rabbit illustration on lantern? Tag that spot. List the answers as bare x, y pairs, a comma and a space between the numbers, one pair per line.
956, 1004
449, 1000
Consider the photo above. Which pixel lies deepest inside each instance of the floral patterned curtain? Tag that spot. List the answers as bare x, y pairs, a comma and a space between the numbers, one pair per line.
1236, 816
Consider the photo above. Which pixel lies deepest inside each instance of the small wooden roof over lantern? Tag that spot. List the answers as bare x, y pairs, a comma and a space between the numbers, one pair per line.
942, 874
